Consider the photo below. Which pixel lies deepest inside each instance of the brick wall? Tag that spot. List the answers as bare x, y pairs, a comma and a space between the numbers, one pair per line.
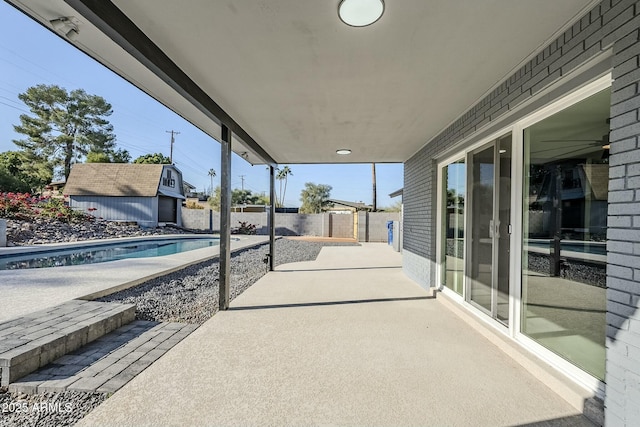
378, 231
596, 32
622, 401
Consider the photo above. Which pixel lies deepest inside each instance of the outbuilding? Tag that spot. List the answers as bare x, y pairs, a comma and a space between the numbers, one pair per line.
150, 195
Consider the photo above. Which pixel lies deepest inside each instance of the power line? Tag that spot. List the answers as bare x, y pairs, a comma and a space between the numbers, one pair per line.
14, 107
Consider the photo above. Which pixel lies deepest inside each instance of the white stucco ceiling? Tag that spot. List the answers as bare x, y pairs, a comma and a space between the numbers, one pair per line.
302, 84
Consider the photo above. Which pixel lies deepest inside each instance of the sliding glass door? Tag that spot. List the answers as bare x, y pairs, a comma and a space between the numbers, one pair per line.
489, 228
565, 231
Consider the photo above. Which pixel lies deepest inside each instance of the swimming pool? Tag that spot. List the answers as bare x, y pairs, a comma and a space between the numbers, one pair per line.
102, 253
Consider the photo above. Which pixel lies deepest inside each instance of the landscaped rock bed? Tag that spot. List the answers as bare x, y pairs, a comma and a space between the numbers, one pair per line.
47, 230
189, 295
46, 409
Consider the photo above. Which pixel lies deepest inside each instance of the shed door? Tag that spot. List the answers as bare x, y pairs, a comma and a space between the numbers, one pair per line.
167, 209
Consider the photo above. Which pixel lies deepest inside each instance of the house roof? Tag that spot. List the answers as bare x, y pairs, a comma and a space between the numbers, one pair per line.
355, 205
396, 193
114, 179
294, 84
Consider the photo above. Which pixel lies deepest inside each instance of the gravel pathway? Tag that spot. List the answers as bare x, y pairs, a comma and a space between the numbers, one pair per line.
189, 295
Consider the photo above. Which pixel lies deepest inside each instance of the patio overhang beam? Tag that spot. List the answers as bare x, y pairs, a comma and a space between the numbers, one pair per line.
105, 16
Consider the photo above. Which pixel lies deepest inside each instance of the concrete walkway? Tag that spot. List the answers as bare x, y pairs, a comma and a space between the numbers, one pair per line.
344, 340
39, 288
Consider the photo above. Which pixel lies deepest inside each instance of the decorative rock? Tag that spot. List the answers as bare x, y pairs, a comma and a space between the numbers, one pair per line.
44, 230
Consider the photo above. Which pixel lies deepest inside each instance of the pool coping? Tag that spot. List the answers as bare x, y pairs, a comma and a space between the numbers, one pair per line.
16, 250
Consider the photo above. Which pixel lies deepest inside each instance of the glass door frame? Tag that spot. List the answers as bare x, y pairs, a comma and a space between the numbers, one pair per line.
494, 232
516, 128
572, 371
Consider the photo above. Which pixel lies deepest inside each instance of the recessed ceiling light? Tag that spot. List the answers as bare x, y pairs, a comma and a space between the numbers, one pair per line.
343, 151
360, 13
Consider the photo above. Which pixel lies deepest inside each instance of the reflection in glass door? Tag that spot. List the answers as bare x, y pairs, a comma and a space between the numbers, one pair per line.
453, 226
489, 184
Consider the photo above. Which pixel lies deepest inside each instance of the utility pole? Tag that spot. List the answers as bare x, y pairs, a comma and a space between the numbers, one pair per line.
172, 132
242, 178
373, 182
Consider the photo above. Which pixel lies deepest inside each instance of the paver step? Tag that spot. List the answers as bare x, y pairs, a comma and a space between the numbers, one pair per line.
32, 341
108, 363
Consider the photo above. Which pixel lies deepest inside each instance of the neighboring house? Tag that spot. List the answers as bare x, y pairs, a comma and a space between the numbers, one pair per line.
249, 208
342, 206
188, 189
54, 189
150, 195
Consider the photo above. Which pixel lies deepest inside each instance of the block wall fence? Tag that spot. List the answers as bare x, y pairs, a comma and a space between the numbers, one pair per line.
374, 224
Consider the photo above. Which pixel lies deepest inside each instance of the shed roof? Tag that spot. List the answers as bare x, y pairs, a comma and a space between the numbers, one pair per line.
114, 179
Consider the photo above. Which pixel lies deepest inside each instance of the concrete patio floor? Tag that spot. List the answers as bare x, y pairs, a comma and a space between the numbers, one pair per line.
343, 340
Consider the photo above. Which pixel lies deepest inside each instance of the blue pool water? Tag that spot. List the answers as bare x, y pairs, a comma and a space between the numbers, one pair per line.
596, 248
102, 253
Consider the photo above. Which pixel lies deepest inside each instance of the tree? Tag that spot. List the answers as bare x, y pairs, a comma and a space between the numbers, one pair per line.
244, 197
120, 156
238, 197
212, 174
21, 172
214, 199
314, 197
283, 175
64, 126
453, 199
155, 158
394, 207
263, 199
117, 156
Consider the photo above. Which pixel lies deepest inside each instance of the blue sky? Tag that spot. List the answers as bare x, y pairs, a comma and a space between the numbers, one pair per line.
140, 123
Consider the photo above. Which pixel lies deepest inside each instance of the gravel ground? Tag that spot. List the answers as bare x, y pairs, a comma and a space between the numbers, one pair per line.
189, 295
47, 409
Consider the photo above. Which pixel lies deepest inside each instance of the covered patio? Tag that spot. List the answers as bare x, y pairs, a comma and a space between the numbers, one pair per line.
292, 82
343, 340
357, 336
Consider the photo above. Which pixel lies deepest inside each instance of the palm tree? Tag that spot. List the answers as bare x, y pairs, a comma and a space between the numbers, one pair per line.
283, 176
212, 174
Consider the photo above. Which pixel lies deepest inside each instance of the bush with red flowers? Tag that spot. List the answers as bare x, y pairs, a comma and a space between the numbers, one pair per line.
24, 206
